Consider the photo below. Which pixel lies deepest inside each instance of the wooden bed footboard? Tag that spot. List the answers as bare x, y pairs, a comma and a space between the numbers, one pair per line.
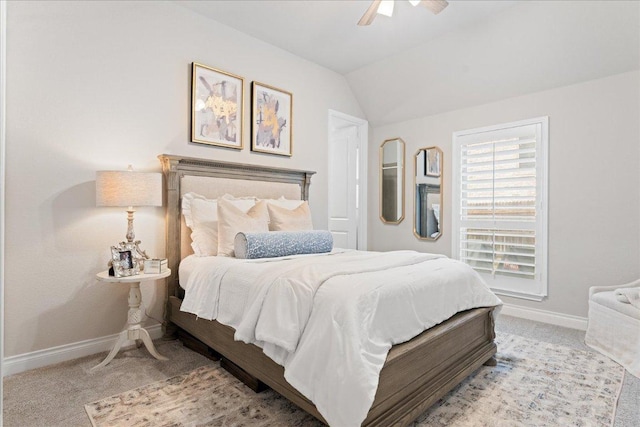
419, 372
415, 375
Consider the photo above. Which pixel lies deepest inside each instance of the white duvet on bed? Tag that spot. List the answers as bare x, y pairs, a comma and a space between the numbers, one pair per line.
330, 320
234, 292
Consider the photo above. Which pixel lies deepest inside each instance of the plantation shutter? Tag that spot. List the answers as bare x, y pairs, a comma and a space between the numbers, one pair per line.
501, 224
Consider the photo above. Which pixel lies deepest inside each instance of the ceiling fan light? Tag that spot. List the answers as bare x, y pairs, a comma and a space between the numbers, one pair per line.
414, 2
386, 8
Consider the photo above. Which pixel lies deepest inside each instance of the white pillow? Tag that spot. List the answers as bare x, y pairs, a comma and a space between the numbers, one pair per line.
283, 219
232, 220
285, 203
201, 216
242, 203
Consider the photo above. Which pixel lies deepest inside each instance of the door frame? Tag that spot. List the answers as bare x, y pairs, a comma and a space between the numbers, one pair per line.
338, 120
3, 115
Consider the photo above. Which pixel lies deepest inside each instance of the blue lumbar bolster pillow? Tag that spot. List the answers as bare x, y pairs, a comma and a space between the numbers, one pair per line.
282, 243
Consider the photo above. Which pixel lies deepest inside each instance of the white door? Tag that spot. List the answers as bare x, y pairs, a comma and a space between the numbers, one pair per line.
347, 180
343, 187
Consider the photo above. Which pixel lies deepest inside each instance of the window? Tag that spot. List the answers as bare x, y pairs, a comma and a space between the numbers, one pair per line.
500, 205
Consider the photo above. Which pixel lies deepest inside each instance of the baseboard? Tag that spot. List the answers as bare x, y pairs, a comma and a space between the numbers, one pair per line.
37, 359
544, 316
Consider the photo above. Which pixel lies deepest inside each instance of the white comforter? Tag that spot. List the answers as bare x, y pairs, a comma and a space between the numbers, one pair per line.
330, 320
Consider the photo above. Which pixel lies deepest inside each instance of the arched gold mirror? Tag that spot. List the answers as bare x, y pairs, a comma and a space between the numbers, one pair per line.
392, 181
428, 215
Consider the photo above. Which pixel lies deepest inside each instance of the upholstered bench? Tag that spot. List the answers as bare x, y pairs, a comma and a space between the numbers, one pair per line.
614, 327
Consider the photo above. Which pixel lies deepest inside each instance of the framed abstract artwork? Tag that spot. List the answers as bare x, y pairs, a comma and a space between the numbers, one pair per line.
217, 105
271, 120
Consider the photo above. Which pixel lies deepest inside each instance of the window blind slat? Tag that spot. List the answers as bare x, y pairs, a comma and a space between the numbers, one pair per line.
508, 173
499, 163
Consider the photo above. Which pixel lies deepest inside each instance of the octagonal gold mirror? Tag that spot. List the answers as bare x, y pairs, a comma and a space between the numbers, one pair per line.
428, 194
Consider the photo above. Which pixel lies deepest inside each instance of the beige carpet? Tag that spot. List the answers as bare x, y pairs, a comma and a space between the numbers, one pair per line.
534, 384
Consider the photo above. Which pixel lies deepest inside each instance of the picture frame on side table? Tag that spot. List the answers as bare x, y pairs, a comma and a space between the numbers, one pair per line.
271, 120
126, 260
217, 106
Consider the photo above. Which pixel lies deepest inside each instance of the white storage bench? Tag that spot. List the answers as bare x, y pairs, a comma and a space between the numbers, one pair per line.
614, 327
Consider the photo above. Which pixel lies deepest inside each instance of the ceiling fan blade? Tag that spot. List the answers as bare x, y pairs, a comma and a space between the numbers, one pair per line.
370, 14
435, 6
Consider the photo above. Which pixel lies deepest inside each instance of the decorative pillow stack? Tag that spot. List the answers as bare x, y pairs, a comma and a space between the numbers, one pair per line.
201, 216
215, 223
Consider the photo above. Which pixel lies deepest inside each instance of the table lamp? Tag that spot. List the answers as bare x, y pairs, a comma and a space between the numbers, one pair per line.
128, 189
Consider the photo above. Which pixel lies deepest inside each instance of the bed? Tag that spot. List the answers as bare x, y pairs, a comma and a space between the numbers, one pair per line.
416, 373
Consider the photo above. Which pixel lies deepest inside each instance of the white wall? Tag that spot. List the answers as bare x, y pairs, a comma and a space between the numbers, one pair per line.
99, 85
594, 191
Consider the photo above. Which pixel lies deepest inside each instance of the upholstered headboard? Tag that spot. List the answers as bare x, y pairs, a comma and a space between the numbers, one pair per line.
212, 179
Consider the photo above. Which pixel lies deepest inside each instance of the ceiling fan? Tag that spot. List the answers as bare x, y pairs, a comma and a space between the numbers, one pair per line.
385, 7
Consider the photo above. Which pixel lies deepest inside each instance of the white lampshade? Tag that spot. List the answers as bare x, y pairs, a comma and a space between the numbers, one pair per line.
128, 188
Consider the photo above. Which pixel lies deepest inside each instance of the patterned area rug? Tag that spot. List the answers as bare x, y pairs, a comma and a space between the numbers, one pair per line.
534, 384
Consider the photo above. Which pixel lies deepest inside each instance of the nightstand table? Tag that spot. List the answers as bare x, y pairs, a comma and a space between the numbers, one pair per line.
134, 331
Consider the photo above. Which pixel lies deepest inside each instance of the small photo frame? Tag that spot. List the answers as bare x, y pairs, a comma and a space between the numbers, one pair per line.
125, 260
271, 120
432, 163
217, 105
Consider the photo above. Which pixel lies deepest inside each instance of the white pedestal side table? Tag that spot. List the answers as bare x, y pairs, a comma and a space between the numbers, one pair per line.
134, 330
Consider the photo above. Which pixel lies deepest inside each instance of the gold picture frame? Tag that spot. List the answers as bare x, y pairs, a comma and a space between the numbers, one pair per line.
271, 120
217, 107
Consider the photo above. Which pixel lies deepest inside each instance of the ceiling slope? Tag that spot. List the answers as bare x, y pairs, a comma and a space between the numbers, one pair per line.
325, 31
533, 46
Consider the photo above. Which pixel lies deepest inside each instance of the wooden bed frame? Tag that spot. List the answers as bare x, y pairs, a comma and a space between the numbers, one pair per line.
416, 373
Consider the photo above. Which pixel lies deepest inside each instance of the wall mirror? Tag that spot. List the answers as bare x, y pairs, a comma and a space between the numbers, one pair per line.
392, 181
428, 194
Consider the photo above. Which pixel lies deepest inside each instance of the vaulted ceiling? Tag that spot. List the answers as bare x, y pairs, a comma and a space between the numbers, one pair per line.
325, 31
416, 64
